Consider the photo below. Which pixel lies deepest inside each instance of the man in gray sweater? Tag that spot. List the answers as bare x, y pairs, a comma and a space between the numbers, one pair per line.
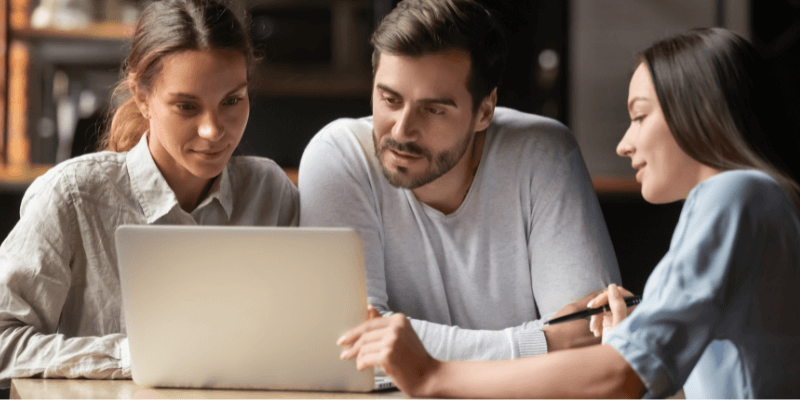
478, 223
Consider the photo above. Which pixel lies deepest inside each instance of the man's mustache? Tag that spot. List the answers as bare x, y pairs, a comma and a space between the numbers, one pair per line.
411, 148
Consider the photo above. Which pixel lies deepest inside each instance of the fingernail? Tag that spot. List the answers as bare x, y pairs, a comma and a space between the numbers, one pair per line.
340, 341
591, 304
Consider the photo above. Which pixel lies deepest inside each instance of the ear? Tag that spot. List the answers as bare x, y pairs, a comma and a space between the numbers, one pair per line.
140, 99
486, 111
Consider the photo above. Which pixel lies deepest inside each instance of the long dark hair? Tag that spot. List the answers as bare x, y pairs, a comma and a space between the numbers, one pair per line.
722, 106
167, 27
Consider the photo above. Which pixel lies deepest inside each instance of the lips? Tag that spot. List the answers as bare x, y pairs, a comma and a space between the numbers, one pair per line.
639, 171
210, 153
403, 154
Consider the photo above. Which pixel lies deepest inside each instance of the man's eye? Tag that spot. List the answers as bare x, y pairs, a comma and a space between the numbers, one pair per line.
390, 100
435, 111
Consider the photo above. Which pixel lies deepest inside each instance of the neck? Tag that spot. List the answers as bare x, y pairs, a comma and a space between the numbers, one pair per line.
703, 172
447, 193
190, 192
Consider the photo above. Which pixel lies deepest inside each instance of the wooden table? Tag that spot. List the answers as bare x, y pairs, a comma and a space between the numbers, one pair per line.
119, 389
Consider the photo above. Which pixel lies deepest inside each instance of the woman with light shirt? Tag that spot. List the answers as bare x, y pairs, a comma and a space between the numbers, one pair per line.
716, 317
168, 161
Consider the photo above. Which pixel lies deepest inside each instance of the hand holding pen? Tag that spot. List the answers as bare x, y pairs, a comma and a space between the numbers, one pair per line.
614, 297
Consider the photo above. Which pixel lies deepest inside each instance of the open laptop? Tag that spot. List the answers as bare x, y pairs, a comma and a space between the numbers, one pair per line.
243, 307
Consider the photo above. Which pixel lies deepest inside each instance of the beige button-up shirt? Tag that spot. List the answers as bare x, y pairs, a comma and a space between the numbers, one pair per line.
60, 302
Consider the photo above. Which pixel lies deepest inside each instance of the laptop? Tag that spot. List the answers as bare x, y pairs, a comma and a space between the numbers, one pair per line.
243, 307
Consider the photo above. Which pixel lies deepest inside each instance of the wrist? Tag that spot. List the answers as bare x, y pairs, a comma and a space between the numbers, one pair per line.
434, 381
549, 340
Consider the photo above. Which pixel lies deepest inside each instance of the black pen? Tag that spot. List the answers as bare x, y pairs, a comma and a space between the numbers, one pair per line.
629, 301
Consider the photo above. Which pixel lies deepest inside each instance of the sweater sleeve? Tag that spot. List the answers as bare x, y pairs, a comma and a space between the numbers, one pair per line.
35, 278
570, 250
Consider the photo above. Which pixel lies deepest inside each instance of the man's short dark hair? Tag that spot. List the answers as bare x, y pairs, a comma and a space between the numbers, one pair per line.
420, 27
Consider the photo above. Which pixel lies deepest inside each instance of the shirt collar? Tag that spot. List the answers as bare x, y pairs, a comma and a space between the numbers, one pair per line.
148, 185
222, 192
154, 194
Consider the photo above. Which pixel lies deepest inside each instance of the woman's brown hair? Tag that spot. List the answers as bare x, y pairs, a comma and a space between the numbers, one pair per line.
167, 27
722, 106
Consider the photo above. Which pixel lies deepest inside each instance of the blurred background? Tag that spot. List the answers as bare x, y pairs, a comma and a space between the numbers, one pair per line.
569, 60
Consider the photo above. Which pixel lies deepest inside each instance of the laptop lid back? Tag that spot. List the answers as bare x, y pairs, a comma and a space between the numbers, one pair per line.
242, 307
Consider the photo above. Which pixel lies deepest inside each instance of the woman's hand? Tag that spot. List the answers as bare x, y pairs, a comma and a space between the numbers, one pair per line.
602, 323
571, 334
391, 344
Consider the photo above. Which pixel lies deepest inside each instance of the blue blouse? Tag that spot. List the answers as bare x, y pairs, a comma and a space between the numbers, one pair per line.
719, 312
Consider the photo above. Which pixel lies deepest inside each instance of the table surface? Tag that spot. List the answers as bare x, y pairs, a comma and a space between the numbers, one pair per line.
108, 389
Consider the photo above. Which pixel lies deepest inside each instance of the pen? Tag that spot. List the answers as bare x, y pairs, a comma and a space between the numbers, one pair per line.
629, 301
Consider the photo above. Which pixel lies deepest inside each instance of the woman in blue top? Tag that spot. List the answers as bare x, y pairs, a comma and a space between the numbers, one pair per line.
169, 162
717, 314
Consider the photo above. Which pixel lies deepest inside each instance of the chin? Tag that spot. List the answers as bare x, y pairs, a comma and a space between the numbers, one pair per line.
658, 196
205, 172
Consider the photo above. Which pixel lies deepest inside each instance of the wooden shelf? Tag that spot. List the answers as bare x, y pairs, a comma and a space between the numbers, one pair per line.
609, 184
276, 81
96, 31
22, 175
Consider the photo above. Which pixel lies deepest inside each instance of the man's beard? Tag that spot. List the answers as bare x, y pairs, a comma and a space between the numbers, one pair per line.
438, 164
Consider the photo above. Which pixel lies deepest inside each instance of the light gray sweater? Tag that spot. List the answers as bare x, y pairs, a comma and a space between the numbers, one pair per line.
528, 239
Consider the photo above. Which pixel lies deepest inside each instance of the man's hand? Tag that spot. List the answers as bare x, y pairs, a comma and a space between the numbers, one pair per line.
391, 344
571, 334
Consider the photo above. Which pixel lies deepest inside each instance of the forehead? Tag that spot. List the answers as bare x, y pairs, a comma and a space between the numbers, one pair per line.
429, 74
202, 70
641, 84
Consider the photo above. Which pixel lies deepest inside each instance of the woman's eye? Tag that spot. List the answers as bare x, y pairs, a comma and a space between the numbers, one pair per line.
186, 106
232, 101
637, 119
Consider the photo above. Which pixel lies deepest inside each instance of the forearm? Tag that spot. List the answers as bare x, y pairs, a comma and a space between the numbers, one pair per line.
26, 353
452, 343
593, 372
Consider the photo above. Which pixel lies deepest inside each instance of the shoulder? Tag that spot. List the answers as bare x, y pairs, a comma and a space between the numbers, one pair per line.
737, 187
741, 192
345, 134
90, 175
84, 172
343, 146
533, 132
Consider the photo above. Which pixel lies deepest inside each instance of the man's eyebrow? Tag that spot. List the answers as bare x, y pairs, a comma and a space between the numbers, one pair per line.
238, 88
385, 88
442, 101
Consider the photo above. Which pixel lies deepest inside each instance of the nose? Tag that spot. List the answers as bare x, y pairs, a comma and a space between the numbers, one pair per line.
625, 147
210, 127
405, 129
